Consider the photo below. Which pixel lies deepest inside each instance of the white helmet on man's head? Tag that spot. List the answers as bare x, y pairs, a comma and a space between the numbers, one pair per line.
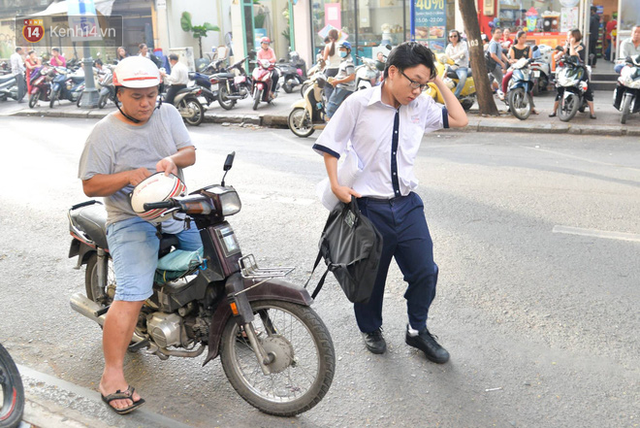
136, 72
156, 188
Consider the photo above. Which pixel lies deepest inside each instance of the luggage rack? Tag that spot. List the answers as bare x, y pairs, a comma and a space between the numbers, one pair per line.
249, 270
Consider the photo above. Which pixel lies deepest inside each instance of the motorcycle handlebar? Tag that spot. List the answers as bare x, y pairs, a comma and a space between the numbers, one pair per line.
158, 205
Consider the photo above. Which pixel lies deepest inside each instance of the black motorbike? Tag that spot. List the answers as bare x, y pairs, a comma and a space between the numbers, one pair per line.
107, 90
66, 85
572, 84
233, 83
208, 92
12, 391
8, 87
274, 348
292, 72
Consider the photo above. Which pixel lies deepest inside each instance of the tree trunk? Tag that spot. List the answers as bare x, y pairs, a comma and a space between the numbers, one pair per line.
200, 45
476, 53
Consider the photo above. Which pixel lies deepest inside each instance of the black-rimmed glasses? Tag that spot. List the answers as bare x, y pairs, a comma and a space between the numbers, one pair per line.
414, 84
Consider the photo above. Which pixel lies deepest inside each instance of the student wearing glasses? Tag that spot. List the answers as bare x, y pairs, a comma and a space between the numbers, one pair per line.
458, 51
384, 126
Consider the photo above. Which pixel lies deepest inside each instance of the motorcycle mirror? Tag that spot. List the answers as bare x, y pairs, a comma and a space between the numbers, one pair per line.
228, 163
252, 54
388, 46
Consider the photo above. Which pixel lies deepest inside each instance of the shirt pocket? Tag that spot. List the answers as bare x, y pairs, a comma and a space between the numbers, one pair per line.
411, 137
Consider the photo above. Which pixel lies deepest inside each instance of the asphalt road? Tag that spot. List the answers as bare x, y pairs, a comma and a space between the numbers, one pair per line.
537, 239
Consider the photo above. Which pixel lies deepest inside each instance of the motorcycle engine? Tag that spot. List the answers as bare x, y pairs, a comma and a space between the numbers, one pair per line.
165, 329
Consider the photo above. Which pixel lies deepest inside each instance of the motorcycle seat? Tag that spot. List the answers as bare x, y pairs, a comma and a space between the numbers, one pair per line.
92, 220
452, 74
77, 79
7, 78
224, 76
184, 90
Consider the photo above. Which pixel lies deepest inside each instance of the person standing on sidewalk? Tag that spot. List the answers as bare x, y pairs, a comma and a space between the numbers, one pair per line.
18, 69
385, 125
57, 60
500, 60
331, 56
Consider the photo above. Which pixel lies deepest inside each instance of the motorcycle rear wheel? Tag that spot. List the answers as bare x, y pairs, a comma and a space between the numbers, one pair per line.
300, 123
625, 108
33, 99
102, 101
256, 98
78, 101
303, 365
288, 85
568, 107
519, 103
12, 391
92, 286
54, 98
191, 103
225, 102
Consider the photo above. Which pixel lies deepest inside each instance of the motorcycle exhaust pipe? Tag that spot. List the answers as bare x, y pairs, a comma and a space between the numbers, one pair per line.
234, 97
81, 304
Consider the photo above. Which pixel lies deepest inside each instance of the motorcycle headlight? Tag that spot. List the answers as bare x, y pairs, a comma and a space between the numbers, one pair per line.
225, 199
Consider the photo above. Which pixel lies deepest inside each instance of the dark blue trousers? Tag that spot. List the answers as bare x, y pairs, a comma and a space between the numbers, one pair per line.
406, 238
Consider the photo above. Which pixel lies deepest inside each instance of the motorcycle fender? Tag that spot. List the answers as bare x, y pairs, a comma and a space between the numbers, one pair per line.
82, 250
55, 87
300, 103
104, 90
272, 289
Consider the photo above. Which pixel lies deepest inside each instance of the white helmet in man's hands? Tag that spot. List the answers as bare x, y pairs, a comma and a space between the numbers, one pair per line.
136, 72
156, 188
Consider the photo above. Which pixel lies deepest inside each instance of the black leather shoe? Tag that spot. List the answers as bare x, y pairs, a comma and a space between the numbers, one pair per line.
375, 342
425, 342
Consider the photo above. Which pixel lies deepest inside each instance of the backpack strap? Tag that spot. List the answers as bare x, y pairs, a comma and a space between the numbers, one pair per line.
321, 282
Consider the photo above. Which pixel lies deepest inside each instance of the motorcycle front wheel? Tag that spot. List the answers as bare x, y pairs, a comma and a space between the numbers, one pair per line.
519, 103
12, 391
257, 96
568, 107
33, 99
102, 101
223, 99
54, 97
625, 108
300, 123
288, 84
303, 362
194, 106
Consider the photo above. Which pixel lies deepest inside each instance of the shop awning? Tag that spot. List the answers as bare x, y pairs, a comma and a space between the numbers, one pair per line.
60, 8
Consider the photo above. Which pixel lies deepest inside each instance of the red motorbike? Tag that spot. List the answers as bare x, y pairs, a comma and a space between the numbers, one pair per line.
262, 77
41, 85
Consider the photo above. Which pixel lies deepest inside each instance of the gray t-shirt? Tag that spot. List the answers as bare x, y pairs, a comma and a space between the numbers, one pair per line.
114, 146
346, 69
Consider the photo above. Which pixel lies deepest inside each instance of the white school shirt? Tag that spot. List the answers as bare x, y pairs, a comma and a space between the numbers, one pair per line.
366, 124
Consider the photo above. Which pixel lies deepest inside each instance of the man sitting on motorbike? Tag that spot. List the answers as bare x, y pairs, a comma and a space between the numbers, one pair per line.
178, 78
123, 149
267, 53
628, 47
344, 82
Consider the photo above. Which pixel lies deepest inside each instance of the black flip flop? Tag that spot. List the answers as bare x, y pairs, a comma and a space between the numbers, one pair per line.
126, 395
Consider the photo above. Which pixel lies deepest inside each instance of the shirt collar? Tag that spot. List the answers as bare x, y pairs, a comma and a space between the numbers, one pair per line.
376, 97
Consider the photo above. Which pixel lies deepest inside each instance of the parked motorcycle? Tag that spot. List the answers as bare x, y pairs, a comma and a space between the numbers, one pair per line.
308, 114
518, 96
626, 97
107, 90
292, 72
41, 86
186, 101
262, 77
448, 75
317, 68
13, 398
541, 68
367, 74
233, 83
67, 86
208, 92
8, 87
571, 83
275, 350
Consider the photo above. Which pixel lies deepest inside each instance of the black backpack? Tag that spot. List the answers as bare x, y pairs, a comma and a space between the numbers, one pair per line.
351, 247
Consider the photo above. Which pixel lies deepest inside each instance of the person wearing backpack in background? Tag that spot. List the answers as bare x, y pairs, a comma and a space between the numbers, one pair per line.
385, 125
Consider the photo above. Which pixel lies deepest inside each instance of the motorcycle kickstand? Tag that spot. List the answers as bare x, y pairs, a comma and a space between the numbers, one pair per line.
263, 357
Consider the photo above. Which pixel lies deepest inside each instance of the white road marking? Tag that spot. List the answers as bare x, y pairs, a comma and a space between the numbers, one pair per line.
621, 236
282, 199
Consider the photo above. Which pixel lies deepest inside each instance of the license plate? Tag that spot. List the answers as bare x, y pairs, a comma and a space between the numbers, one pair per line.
536, 73
214, 87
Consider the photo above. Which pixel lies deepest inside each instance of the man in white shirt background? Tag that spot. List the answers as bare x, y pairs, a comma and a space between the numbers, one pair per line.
629, 47
18, 69
178, 78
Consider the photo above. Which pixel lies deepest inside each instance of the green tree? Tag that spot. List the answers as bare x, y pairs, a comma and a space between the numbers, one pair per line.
199, 31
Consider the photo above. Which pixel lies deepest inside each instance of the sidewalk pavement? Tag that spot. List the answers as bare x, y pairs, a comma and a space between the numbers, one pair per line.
275, 115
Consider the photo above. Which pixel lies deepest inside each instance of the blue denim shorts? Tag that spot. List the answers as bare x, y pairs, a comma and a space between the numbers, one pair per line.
134, 246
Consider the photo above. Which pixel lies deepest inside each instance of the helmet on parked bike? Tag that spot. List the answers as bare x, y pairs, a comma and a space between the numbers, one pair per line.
155, 188
136, 72
265, 40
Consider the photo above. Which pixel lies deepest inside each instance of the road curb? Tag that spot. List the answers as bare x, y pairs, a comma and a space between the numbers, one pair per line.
477, 124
